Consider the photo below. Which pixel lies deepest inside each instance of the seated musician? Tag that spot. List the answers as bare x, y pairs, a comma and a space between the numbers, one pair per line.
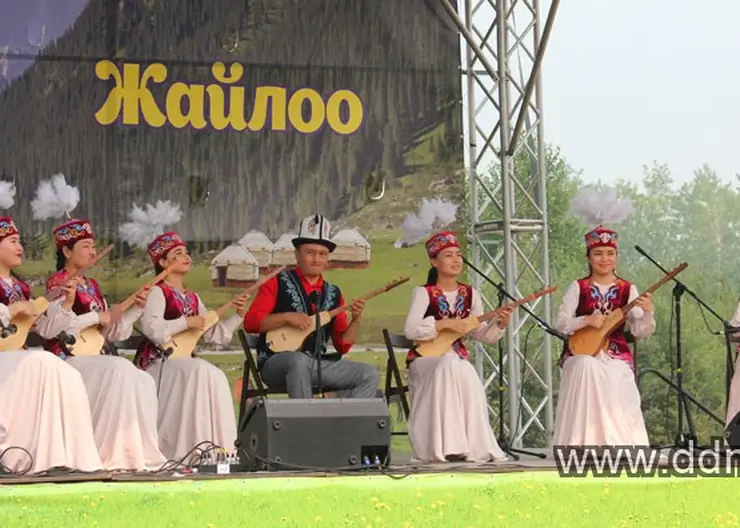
195, 403
599, 403
449, 414
121, 396
289, 299
44, 402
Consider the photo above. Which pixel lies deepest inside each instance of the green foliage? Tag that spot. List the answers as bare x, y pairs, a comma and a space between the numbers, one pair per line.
696, 223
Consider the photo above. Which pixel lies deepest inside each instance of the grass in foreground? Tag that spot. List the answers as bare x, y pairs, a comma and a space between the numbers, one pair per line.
454, 500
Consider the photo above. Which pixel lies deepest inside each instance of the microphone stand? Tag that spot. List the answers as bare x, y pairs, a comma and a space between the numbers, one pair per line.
164, 352
683, 439
503, 439
319, 332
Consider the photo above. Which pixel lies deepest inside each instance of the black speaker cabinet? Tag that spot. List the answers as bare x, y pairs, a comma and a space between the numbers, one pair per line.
316, 434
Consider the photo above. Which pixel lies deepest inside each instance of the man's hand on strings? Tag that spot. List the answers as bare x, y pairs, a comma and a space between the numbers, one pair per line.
357, 306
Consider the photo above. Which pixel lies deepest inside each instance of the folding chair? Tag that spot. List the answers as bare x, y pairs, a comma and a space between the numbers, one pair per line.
394, 386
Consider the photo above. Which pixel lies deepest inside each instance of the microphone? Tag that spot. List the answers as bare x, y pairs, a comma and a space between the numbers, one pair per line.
641, 251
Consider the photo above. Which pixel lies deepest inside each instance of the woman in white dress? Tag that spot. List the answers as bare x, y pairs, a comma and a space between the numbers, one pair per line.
449, 416
599, 402
44, 403
733, 402
195, 403
123, 400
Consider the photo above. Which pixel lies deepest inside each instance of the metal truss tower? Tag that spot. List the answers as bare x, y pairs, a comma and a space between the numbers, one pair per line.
504, 43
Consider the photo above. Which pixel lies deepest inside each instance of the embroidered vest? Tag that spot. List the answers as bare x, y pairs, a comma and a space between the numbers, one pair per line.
89, 298
16, 291
439, 308
176, 305
292, 298
591, 300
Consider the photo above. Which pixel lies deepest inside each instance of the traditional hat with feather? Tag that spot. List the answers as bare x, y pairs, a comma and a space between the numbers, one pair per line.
55, 198
7, 199
146, 229
314, 229
596, 207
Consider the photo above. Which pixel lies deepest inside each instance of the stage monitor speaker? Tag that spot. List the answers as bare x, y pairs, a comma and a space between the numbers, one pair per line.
317, 434
732, 432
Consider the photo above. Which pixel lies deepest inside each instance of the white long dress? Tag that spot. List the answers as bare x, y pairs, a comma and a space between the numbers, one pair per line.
44, 407
733, 403
599, 402
195, 403
123, 399
449, 413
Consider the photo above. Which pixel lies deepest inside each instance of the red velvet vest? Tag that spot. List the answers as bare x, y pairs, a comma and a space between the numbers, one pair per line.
591, 300
440, 308
176, 305
15, 292
88, 299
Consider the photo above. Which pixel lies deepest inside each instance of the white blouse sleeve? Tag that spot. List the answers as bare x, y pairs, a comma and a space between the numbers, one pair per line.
641, 323
487, 332
123, 329
222, 332
4, 314
567, 322
418, 327
153, 323
55, 321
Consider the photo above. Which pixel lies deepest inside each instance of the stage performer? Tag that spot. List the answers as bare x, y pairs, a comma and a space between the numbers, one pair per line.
599, 402
122, 399
449, 415
44, 409
290, 299
733, 402
195, 403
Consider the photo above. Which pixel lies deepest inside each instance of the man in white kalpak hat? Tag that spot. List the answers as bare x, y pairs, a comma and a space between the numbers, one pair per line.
290, 299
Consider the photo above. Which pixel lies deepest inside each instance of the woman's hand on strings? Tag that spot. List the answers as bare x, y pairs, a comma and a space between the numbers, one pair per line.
26, 308
69, 290
240, 303
503, 317
112, 316
595, 320
645, 301
142, 296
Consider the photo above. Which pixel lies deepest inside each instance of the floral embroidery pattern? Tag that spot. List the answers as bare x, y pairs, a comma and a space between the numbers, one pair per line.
13, 293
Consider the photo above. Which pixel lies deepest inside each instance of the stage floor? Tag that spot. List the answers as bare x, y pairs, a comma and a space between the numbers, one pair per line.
402, 466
